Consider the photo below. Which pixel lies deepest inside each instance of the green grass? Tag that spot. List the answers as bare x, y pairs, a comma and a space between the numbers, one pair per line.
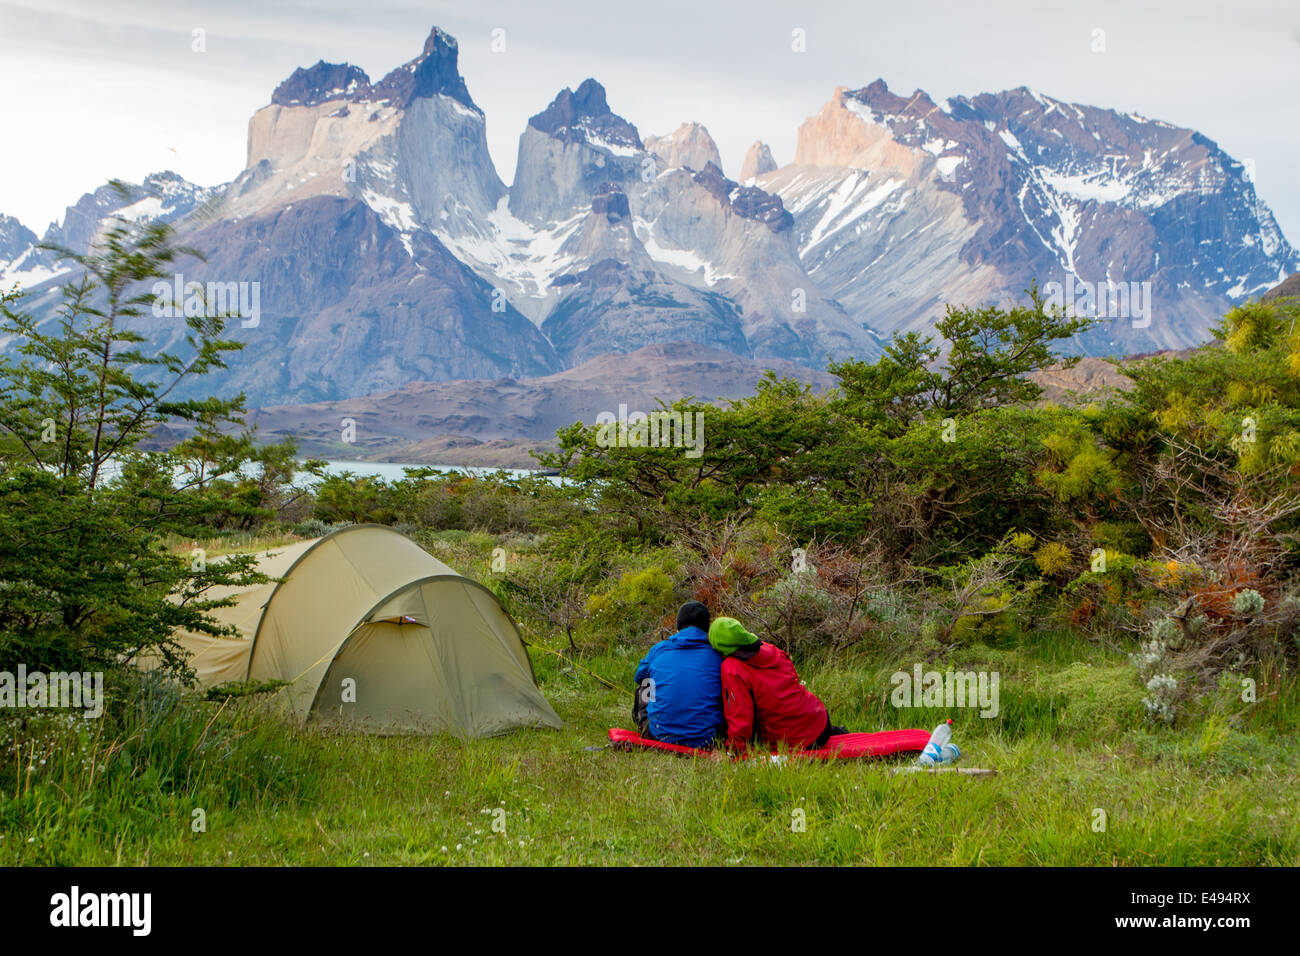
1218, 790
231, 542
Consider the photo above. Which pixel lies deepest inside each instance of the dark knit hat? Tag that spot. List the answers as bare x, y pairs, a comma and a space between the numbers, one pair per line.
693, 614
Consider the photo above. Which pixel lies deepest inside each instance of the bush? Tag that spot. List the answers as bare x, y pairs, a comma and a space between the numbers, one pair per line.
1052, 559
85, 586
1100, 701
1123, 536
1161, 700
988, 623
1247, 603
634, 605
312, 528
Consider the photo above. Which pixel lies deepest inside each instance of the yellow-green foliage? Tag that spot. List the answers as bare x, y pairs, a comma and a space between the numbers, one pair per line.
990, 625
1118, 561
1250, 393
1253, 326
1100, 699
1077, 467
650, 589
1022, 541
1180, 414
1052, 559
1268, 441
1120, 536
1117, 582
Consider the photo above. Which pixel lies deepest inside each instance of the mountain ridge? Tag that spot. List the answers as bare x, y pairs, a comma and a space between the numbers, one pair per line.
892, 207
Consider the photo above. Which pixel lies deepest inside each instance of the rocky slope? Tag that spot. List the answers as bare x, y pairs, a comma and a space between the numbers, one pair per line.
496, 422
1288, 288
623, 301
376, 309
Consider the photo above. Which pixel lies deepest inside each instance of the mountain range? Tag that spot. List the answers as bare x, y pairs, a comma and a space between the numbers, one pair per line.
388, 251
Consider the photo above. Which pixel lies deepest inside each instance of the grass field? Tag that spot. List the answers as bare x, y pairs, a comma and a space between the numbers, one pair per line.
1070, 741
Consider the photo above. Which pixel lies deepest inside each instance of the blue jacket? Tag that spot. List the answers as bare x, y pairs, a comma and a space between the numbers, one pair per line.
686, 706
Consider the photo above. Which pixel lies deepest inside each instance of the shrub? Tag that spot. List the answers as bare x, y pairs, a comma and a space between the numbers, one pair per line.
1052, 559
1099, 700
1152, 656
1247, 603
312, 528
632, 603
990, 622
1160, 702
1124, 536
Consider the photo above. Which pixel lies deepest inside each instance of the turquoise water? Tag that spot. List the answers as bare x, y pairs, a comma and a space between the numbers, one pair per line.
390, 471
387, 470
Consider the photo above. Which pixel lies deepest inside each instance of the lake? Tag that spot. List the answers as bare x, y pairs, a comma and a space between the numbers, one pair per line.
394, 471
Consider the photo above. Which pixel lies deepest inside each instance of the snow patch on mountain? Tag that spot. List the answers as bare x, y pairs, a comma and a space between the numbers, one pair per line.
516, 257
24, 273
596, 140
1087, 186
858, 194
393, 212
692, 263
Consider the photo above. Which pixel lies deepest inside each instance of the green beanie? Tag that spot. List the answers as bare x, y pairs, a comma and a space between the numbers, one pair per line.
727, 635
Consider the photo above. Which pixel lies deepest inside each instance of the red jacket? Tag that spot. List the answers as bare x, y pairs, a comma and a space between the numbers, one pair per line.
763, 700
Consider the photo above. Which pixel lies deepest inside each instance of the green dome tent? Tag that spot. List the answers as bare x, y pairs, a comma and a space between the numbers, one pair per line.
372, 632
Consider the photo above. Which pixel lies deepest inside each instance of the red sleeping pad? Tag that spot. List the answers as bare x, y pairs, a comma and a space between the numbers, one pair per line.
842, 745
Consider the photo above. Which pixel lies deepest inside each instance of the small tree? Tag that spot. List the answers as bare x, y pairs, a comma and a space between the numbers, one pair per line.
983, 362
86, 394
84, 580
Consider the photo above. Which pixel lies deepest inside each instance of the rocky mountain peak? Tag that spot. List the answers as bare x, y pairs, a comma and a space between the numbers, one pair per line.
849, 130
913, 120
439, 42
322, 83
583, 115
880, 97
433, 72
569, 151
748, 202
14, 238
690, 145
758, 160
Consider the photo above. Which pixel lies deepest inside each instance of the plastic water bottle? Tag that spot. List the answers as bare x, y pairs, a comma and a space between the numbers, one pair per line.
940, 748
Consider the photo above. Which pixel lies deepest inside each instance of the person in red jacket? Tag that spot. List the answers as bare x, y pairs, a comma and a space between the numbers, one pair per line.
762, 698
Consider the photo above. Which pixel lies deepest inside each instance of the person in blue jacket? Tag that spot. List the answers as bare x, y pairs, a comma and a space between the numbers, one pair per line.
679, 685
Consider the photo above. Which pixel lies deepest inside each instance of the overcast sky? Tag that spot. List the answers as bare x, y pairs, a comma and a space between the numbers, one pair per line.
92, 89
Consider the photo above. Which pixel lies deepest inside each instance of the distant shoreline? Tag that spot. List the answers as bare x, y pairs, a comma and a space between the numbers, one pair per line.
393, 470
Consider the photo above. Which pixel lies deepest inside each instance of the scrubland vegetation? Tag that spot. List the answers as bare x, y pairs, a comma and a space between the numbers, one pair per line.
1128, 566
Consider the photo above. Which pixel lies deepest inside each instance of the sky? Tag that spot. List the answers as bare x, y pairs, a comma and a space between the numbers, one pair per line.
96, 89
